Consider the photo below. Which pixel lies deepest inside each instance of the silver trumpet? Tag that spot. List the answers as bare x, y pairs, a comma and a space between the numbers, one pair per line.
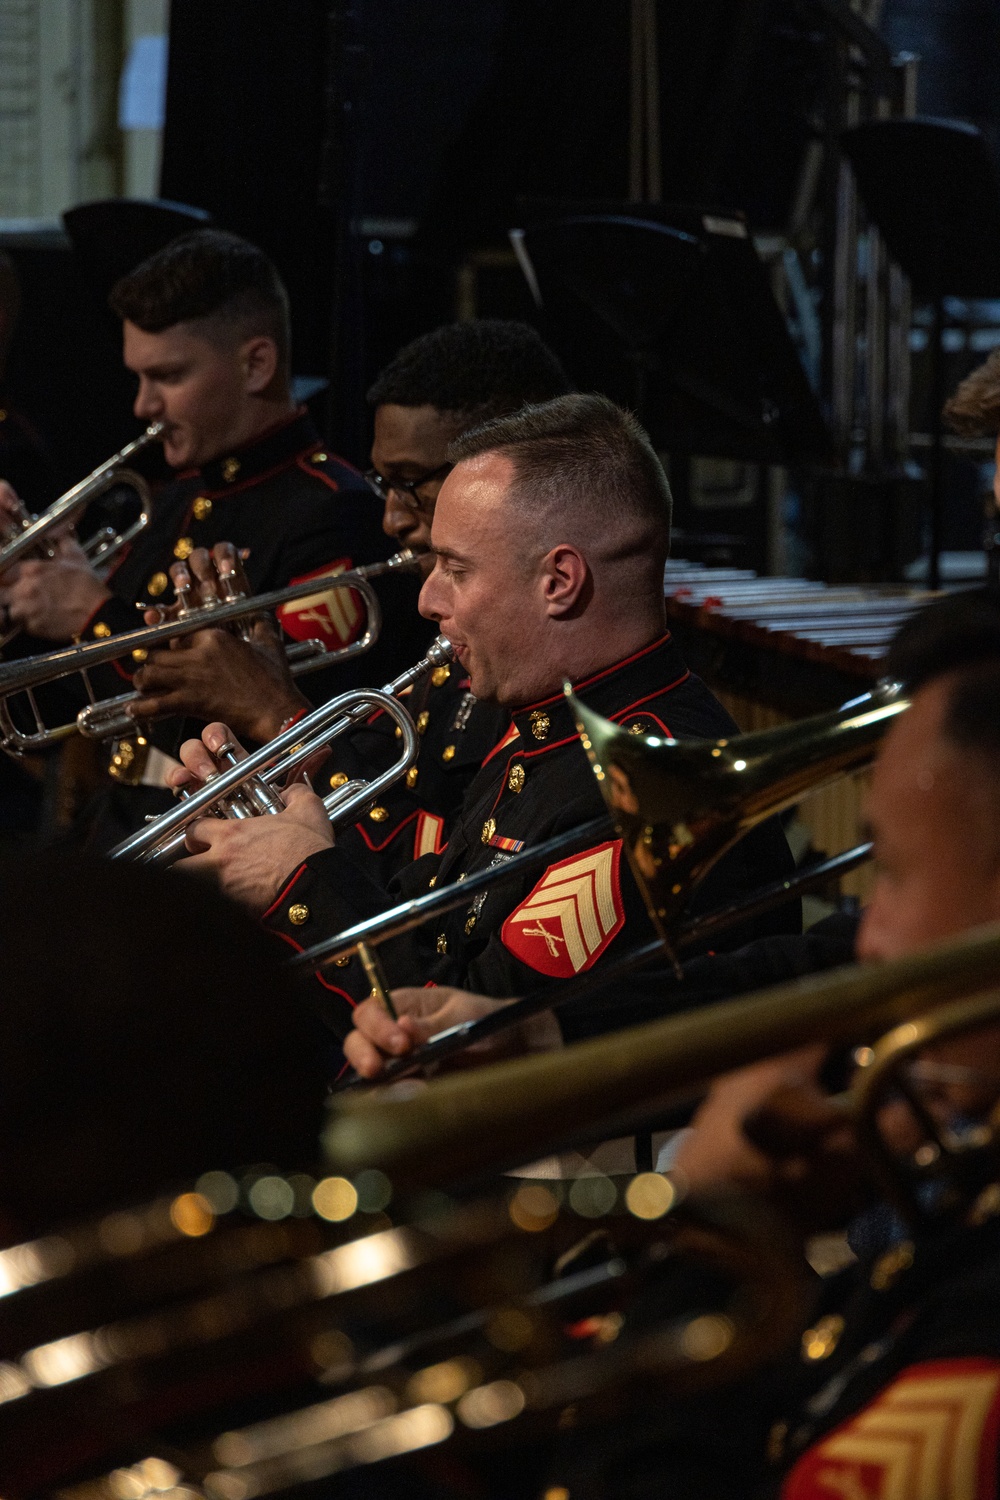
33, 538
249, 786
106, 718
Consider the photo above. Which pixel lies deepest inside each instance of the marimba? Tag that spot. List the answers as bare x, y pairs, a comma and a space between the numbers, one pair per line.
775, 649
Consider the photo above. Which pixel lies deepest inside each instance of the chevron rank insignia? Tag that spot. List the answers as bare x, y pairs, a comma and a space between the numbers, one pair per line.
333, 616
572, 914
931, 1433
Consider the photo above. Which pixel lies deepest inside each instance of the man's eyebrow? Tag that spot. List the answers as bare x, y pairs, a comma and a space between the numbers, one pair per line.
449, 554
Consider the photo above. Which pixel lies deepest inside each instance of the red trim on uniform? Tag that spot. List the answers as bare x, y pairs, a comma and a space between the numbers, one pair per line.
511, 734
307, 468
377, 848
334, 989
605, 672
283, 892
656, 693
93, 616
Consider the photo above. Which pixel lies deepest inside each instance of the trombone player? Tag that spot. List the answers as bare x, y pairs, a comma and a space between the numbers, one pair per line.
549, 538
206, 334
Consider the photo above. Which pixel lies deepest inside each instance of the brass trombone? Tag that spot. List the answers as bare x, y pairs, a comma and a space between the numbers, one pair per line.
249, 785
33, 537
106, 718
679, 804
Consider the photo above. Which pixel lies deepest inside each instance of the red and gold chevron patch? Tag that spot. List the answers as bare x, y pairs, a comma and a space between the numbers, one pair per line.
930, 1435
333, 616
572, 914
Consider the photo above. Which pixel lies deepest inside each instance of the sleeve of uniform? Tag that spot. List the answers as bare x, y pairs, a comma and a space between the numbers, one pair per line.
330, 892
654, 993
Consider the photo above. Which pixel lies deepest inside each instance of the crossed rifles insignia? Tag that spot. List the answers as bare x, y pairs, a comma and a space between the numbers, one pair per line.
571, 915
332, 616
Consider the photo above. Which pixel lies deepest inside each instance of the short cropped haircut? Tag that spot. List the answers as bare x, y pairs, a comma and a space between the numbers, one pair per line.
957, 637
475, 370
974, 409
207, 277
581, 451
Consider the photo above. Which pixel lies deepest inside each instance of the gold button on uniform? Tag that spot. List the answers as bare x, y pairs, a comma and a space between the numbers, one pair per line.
230, 469
411, 777
442, 943
636, 728
423, 720
298, 913
339, 778
440, 676
489, 829
820, 1342
377, 814
539, 724
101, 630
183, 548
157, 584
469, 924
139, 654
448, 753
515, 778
202, 508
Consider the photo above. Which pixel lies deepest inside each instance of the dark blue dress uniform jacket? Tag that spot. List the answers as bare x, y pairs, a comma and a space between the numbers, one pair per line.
537, 782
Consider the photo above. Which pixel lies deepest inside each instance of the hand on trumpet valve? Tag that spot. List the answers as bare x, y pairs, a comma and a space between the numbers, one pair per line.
213, 673
424, 1013
249, 859
53, 597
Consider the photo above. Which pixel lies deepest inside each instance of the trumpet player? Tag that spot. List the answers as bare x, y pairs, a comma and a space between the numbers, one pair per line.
206, 335
549, 539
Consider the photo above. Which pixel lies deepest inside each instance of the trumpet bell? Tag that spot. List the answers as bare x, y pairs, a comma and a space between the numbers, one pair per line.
680, 804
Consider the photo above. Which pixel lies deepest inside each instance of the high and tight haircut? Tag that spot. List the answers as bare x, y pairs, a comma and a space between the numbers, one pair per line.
475, 370
974, 410
208, 277
582, 450
957, 637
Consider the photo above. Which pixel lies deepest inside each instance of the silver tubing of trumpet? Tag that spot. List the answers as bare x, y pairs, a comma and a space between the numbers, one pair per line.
75, 501
163, 841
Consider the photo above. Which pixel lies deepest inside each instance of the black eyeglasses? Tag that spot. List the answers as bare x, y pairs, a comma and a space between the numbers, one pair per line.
380, 485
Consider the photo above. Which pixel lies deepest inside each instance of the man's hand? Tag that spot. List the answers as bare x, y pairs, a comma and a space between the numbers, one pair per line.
251, 859
770, 1129
423, 1013
215, 675
53, 598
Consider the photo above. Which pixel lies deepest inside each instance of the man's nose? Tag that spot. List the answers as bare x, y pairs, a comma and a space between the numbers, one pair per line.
430, 604
148, 403
397, 520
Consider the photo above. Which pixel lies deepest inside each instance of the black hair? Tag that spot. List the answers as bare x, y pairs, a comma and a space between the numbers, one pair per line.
476, 370
958, 637
579, 451
210, 277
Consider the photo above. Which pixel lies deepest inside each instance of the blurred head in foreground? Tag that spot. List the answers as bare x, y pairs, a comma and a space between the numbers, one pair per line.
148, 1033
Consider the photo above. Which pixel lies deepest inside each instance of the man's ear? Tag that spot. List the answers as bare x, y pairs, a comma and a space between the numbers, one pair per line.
260, 363
566, 581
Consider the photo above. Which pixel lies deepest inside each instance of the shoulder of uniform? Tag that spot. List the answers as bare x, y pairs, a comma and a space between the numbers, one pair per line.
333, 471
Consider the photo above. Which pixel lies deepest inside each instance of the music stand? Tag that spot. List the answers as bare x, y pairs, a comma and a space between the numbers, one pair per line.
113, 236
678, 298
932, 189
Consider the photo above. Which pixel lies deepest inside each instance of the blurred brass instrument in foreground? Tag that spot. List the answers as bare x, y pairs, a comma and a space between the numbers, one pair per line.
107, 718
249, 785
353, 1338
679, 805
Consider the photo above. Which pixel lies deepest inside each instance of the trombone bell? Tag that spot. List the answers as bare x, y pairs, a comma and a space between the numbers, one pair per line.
680, 804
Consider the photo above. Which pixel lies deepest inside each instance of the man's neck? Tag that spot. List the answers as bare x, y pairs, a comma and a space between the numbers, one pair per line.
259, 419
588, 654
